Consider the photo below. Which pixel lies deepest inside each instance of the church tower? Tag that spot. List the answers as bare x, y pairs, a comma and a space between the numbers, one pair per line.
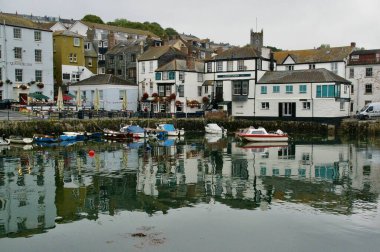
257, 39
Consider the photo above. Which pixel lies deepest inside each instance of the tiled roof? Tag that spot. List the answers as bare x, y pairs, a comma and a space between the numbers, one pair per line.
119, 29
104, 79
124, 46
245, 52
157, 52
16, 20
315, 55
181, 65
301, 76
67, 33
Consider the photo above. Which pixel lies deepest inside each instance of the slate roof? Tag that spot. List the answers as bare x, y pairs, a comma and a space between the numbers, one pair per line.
119, 29
301, 76
124, 46
156, 52
181, 65
246, 52
67, 33
19, 21
319, 55
103, 79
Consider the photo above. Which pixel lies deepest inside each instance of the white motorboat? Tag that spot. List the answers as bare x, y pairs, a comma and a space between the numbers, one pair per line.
261, 135
19, 140
213, 128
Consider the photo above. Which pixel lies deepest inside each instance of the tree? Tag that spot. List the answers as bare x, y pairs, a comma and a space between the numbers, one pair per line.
93, 19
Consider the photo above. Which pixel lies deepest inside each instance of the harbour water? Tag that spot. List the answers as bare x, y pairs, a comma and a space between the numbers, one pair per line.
199, 193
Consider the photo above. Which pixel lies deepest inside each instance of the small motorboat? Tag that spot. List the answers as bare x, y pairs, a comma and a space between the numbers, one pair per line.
45, 138
72, 135
172, 131
116, 135
19, 140
4, 141
259, 134
134, 131
213, 128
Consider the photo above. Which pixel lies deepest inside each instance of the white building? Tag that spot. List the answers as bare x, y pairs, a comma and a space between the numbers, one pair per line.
330, 58
111, 92
233, 75
26, 58
302, 94
364, 73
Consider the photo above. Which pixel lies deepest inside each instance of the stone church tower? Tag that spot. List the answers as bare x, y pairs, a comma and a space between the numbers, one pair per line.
257, 39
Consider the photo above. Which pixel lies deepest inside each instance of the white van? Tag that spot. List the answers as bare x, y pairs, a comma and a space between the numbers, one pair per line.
370, 110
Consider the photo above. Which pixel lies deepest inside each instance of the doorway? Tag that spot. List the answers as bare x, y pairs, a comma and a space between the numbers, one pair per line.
287, 109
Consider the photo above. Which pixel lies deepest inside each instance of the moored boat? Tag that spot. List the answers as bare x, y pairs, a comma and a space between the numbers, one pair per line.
19, 140
170, 129
213, 128
116, 135
45, 138
259, 134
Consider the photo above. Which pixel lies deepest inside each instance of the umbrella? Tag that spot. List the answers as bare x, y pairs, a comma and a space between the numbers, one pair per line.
79, 98
60, 99
38, 96
96, 100
124, 104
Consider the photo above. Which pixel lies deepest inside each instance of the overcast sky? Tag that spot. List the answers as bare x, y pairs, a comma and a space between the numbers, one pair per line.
287, 24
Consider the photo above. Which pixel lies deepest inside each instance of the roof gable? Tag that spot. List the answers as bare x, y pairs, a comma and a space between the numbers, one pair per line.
289, 60
154, 53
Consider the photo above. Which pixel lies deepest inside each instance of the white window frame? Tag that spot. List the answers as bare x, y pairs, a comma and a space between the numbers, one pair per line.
76, 42
265, 105
18, 75
37, 36
38, 75
18, 53
17, 33
306, 105
200, 77
38, 55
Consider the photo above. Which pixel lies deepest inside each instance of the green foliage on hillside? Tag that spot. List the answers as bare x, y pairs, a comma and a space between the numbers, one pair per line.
93, 19
146, 26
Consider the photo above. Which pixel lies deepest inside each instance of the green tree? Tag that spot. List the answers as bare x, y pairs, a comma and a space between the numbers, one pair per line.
93, 19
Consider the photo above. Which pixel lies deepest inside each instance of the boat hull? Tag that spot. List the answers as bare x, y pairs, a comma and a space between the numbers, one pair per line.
265, 138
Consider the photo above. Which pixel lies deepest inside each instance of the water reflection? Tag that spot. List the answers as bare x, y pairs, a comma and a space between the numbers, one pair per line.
45, 185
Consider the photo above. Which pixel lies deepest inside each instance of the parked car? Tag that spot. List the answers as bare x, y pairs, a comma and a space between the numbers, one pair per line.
7, 103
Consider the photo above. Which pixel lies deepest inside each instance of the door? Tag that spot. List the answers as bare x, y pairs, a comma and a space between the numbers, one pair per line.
23, 99
287, 109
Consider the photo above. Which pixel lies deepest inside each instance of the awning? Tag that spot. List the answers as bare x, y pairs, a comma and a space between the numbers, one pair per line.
38, 96
208, 83
71, 95
65, 97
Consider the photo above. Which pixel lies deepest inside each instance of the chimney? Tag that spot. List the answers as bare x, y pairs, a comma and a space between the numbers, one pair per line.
353, 44
111, 40
190, 63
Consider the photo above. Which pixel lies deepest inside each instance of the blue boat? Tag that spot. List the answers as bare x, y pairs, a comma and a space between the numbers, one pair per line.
170, 129
68, 137
45, 138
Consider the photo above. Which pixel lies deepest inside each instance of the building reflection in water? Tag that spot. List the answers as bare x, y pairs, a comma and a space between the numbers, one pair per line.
44, 185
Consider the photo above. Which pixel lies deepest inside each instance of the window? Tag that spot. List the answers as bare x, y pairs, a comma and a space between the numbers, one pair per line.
65, 76
133, 57
276, 89
368, 72
209, 67
368, 88
265, 105
230, 65
171, 75
306, 105
119, 72
325, 91
90, 62
0, 51
164, 90
259, 64
263, 89
289, 89
111, 59
219, 66
206, 89
76, 42
181, 90
18, 53
334, 67
142, 67
352, 73
150, 66
200, 77
121, 57
38, 75
342, 105
37, 35
181, 75
199, 90
38, 55
303, 89
158, 76
165, 75
75, 77
16, 33
240, 87
73, 57
240, 65
18, 75
105, 44
311, 66
87, 46
132, 72
291, 67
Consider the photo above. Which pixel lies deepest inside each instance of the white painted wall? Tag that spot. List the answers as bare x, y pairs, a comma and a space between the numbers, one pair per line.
341, 70
8, 63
